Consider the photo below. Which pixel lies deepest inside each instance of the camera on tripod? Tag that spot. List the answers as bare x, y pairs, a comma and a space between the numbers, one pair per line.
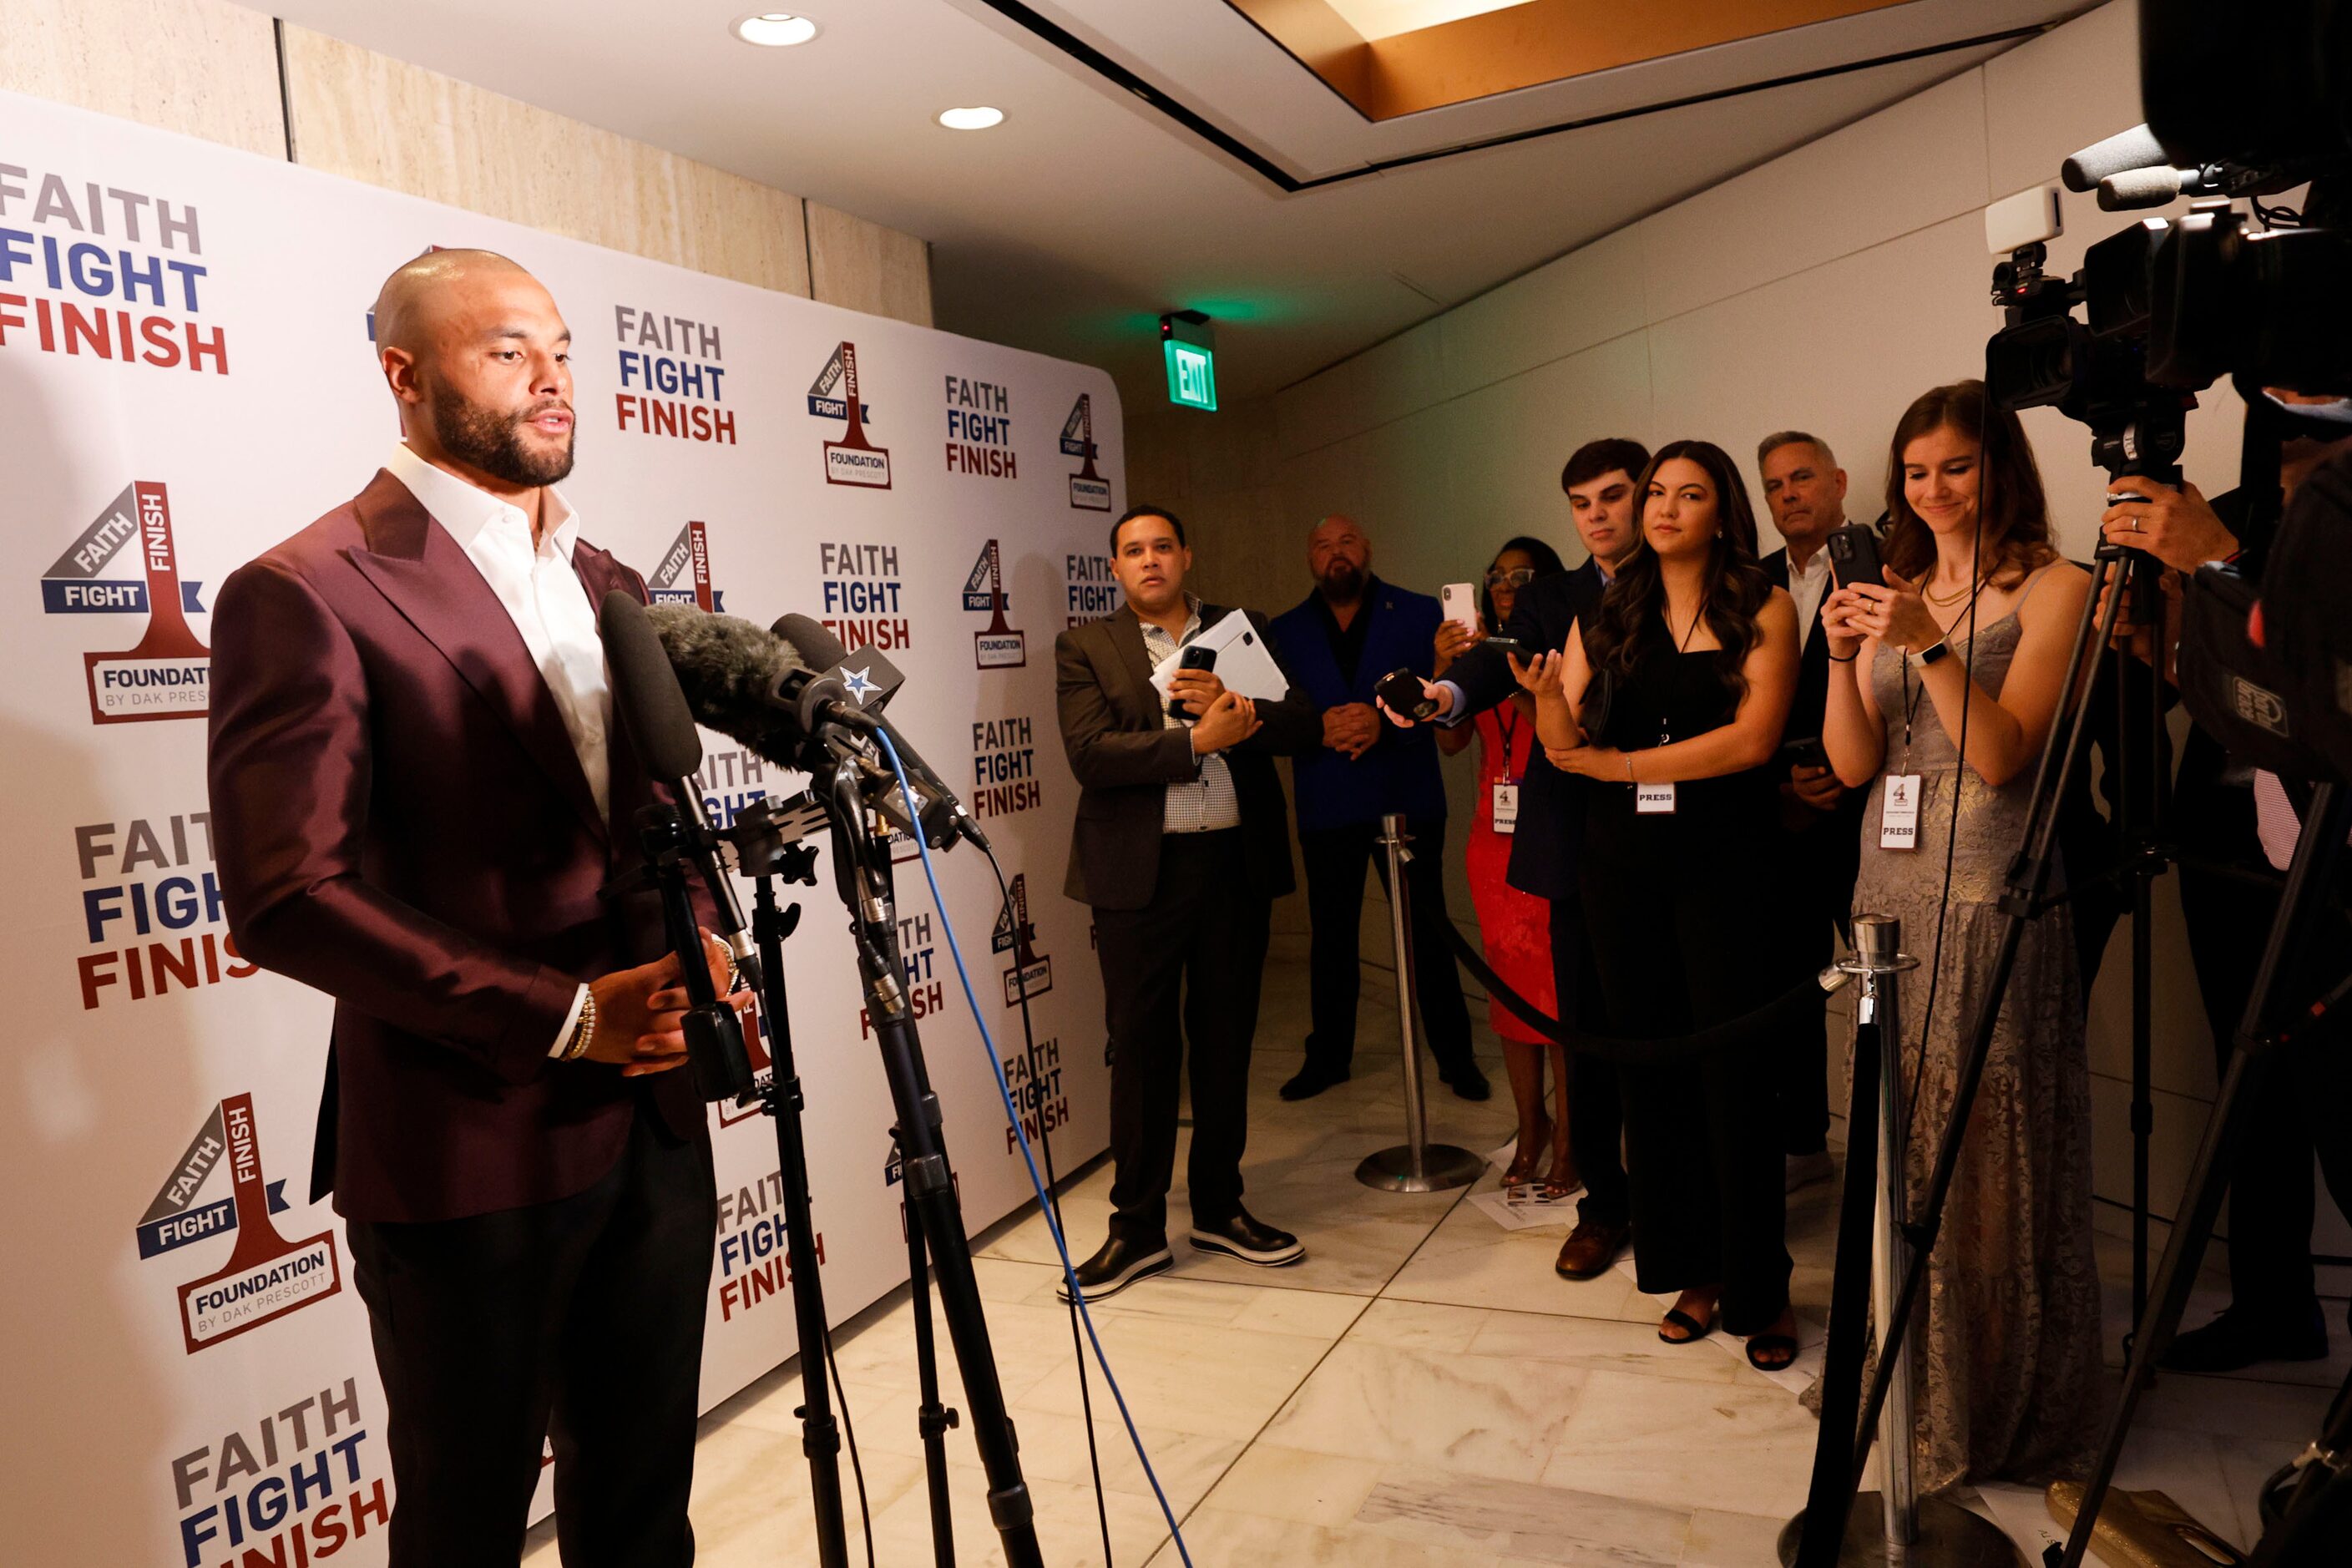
2242, 104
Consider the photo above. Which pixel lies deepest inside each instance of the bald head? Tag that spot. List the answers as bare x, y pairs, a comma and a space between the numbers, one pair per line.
1339, 554
479, 359
421, 290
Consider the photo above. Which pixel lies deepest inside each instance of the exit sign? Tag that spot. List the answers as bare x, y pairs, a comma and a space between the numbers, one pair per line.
1192, 375
1190, 348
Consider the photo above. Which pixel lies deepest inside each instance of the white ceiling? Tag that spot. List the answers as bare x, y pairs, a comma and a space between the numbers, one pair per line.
1071, 226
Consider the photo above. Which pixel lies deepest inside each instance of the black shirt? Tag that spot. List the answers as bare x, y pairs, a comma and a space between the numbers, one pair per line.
1348, 642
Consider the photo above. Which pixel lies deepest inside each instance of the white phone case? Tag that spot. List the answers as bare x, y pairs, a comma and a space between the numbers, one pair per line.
1461, 603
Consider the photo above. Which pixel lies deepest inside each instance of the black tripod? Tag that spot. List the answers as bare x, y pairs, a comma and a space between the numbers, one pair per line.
765, 840
936, 1243
2310, 880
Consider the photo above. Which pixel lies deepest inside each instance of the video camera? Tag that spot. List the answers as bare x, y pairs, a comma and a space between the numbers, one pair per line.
2243, 103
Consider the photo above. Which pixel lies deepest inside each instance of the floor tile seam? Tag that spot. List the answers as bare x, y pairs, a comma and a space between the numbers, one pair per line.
1252, 1441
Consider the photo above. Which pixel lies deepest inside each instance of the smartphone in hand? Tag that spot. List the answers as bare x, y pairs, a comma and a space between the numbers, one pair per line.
1191, 658
1460, 600
1853, 556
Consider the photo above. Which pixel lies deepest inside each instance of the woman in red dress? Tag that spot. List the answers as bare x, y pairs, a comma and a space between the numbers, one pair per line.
1514, 928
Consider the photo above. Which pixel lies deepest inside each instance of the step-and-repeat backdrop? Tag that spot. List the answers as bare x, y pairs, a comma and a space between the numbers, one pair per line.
186, 377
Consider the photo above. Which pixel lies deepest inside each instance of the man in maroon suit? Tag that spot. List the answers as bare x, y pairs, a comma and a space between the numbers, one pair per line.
420, 798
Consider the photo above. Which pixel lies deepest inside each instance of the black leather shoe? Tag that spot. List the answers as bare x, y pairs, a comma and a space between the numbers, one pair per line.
1244, 1238
1313, 1079
2236, 1340
1465, 1080
1120, 1263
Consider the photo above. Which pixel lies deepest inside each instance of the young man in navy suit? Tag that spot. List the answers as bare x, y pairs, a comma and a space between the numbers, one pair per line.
1600, 479
1348, 633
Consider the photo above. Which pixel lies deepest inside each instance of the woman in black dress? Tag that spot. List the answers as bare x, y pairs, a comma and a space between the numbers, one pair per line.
1696, 653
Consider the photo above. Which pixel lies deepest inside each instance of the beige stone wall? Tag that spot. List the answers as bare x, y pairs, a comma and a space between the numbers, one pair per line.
209, 68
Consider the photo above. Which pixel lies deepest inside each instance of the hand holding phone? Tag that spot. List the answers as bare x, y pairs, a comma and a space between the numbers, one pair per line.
1191, 658
1853, 556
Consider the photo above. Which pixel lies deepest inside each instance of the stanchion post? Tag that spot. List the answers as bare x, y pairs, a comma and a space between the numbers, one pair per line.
1416, 1166
1879, 961
1907, 1531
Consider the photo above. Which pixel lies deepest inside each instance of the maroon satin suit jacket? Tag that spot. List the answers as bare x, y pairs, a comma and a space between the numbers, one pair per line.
401, 821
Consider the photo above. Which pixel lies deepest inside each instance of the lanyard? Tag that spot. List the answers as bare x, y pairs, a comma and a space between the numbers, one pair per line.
1910, 698
1507, 719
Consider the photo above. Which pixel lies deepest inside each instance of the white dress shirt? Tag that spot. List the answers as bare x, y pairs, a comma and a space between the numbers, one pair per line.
1208, 803
1809, 585
543, 596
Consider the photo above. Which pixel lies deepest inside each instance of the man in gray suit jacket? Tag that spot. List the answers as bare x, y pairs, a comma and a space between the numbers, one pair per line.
1181, 844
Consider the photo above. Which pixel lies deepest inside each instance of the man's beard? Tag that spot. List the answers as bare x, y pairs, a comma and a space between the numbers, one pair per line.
1342, 580
487, 439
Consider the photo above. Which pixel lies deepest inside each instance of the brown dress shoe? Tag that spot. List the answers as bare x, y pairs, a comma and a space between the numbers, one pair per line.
1591, 1249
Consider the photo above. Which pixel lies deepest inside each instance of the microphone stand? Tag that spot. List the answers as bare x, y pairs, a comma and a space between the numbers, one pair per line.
935, 1222
765, 856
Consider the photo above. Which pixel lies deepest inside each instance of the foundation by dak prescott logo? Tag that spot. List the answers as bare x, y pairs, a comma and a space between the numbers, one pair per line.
266, 1276
684, 575
167, 675
853, 459
1089, 491
999, 646
1032, 974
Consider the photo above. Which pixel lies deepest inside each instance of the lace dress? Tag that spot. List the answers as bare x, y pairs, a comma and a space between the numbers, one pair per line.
2009, 1322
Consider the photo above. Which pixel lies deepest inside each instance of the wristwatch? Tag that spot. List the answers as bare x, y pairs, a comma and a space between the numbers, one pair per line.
1934, 651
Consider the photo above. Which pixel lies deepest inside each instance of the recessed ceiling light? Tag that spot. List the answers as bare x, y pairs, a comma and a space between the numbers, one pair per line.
774, 29
971, 119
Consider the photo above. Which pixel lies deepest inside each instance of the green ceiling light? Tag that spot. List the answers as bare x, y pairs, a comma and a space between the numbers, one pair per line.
1190, 347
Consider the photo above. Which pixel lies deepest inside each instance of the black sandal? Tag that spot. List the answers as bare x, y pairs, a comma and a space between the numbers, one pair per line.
1784, 1344
1697, 1330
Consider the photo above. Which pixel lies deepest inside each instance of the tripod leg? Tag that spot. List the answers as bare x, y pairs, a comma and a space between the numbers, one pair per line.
2138, 748
2309, 879
820, 1438
932, 1419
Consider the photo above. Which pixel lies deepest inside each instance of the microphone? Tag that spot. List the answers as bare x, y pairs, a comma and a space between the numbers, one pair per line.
2120, 153
661, 725
864, 692
2151, 187
729, 672
757, 688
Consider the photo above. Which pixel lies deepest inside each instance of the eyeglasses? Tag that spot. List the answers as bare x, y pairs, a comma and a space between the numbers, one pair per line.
1519, 577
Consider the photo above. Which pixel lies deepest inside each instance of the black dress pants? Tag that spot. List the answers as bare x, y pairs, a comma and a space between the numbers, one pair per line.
2302, 1106
1334, 858
1702, 1141
1799, 1053
582, 1318
1184, 969
1596, 1125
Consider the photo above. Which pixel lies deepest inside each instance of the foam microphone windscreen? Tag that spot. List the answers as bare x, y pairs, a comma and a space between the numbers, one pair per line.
2134, 149
727, 667
645, 690
2134, 188
809, 638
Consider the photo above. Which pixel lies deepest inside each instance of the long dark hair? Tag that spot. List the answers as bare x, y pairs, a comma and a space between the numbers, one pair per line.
1734, 589
1547, 564
2010, 506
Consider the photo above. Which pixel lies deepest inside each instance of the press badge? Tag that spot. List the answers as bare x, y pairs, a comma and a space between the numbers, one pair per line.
1898, 817
1653, 799
1507, 806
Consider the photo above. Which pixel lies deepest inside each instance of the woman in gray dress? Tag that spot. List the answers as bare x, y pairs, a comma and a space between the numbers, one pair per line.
1969, 636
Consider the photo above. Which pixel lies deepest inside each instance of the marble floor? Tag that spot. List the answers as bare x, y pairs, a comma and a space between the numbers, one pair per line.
1421, 1391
